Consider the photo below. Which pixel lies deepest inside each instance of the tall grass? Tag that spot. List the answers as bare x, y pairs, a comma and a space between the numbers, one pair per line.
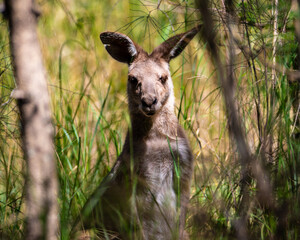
90, 115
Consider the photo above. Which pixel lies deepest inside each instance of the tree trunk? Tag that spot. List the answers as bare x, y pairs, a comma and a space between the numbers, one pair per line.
37, 130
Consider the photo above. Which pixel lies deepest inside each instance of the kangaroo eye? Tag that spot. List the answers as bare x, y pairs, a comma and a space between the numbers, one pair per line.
132, 80
163, 79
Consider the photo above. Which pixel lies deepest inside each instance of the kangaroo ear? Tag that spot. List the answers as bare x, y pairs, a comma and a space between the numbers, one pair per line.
172, 47
119, 46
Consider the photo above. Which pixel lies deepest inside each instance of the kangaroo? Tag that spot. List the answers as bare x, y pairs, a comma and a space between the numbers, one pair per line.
145, 195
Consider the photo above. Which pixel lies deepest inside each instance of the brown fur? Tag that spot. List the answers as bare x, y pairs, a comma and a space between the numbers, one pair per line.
139, 198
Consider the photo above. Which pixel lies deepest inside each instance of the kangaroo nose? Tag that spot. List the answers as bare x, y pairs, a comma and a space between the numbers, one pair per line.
148, 102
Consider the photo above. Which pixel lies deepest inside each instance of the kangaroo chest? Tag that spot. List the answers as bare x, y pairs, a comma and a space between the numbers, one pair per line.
158, 165
157, 159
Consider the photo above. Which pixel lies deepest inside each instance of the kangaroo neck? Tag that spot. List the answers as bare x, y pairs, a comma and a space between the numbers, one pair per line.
162, 125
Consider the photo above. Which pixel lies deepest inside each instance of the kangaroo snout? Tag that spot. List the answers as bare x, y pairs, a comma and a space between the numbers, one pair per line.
148, 105
148, 102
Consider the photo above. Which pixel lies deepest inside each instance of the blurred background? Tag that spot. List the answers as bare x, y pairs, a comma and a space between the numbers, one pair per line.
89, 106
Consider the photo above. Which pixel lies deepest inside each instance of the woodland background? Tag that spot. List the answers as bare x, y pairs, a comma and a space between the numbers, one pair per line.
237, 91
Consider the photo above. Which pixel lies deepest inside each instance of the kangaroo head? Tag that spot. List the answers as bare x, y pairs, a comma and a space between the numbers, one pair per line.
149, 84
